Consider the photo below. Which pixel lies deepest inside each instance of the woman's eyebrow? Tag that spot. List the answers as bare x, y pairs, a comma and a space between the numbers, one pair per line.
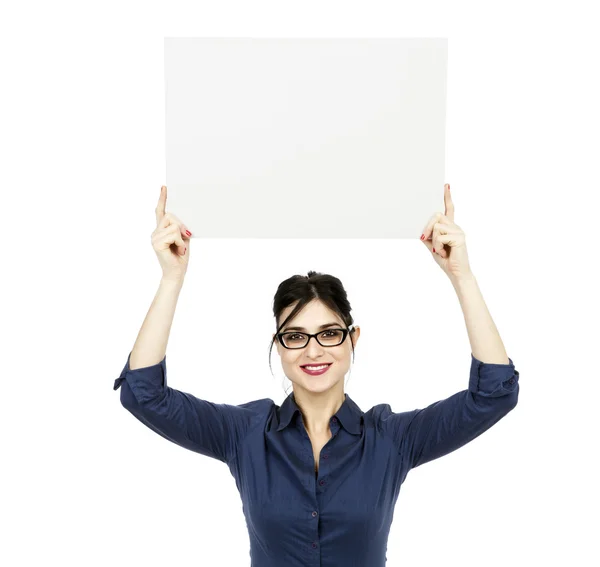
321, 327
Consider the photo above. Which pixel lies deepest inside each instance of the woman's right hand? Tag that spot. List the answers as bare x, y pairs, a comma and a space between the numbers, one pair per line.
171, 241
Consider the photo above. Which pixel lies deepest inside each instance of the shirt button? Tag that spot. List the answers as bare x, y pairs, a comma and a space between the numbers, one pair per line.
321, 482
314, 514
334, 419
326, 456
314, 545
511, 381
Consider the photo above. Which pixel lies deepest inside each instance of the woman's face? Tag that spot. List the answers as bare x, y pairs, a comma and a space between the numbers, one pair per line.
310, 318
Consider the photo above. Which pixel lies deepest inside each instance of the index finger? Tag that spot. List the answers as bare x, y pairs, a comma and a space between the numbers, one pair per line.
162, 201
449, 212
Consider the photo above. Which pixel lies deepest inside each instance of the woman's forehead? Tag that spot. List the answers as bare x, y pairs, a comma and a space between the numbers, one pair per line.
314, 318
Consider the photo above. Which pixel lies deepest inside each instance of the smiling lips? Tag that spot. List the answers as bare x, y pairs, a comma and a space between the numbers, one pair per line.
316, 372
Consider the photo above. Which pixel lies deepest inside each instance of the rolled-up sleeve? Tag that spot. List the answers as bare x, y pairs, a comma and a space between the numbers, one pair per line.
423, 435
213, 430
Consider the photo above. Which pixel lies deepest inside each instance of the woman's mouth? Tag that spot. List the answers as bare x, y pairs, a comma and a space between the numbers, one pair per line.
316, 370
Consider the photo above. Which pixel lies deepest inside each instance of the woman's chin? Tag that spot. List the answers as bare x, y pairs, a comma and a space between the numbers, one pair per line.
313, 384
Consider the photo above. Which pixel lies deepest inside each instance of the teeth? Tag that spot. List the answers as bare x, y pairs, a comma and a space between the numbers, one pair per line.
316, 367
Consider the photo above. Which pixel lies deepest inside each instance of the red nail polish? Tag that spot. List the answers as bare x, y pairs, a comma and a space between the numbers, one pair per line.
188, 233
434, 249
422, 236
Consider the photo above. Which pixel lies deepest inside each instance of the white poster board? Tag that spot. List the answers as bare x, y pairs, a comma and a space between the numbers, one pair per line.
305, 138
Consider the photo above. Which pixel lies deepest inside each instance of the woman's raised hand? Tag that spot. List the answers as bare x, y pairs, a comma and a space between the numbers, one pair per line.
446, 240
171, 241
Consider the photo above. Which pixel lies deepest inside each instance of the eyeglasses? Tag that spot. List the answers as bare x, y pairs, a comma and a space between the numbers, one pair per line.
328, 338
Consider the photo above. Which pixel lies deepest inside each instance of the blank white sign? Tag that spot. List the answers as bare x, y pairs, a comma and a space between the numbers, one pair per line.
305, 138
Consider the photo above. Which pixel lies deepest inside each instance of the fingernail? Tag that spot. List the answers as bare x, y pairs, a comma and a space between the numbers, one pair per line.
434, 249
422, 236
188, 233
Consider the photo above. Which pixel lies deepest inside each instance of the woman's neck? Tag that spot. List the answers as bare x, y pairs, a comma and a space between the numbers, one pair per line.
317, 409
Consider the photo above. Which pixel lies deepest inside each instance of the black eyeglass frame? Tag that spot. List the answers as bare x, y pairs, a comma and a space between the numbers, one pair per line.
345, 331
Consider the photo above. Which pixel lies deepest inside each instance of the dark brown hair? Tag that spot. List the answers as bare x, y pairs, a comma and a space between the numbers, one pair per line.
304, 289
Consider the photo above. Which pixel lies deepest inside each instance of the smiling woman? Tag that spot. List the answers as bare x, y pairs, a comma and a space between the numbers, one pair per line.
313, 319
327, 299
318, 477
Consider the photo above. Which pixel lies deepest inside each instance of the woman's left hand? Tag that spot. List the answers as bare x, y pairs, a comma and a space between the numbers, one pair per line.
446, 241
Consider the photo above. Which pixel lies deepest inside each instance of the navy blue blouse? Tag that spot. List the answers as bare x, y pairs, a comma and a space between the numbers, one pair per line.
342, 514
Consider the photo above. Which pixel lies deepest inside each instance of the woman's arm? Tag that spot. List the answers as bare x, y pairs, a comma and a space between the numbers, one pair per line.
423, 435
486, 344
208, 428
151, 344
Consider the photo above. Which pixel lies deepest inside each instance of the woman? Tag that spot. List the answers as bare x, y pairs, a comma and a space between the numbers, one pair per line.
318, 477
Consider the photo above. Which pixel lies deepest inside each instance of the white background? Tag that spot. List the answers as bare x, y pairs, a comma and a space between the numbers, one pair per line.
82, 152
